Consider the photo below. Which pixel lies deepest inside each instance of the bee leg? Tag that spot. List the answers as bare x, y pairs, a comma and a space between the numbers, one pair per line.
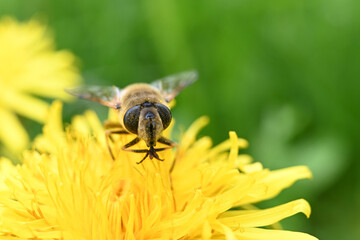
115, 125
110, 124
171, 144
139, 151
108, 134
147, 154
131, 143
167, 141
152, 152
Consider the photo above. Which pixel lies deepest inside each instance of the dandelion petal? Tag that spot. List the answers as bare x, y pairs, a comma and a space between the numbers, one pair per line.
12, 134
261, 234
266, 217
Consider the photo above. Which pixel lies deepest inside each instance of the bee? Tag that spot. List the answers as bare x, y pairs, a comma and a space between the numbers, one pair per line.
142, 109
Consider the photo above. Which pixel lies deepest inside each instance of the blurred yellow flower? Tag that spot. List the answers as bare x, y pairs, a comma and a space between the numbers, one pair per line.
70, 188
29, 67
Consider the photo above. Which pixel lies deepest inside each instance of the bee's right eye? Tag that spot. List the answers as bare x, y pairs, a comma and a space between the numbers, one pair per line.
131, 119
164, 113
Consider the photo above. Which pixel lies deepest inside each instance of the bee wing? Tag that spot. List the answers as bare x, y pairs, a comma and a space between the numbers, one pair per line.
172, 85
106, 95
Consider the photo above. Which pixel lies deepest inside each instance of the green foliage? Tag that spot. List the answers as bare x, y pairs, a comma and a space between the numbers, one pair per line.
283, 74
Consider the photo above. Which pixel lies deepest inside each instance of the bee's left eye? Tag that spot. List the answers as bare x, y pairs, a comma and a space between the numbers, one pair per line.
131, 119
164, 113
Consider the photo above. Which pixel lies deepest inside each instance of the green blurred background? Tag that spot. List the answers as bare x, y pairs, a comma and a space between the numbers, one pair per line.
282, 74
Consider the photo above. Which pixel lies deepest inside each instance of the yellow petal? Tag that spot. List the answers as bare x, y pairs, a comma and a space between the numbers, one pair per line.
12, 133
7, 169
53, 119
94, 122
189, 137
206, 231
251, 168
266, 217
261, 234
275, 182
24, 105
54, 136
234, 150
224, 146
280, 179
80, 125
50, 74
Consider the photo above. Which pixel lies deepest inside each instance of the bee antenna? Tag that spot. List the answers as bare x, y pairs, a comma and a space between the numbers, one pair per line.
149, 115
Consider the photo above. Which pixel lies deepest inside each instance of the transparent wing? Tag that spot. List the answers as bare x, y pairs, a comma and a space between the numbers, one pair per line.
172, 85
108, 96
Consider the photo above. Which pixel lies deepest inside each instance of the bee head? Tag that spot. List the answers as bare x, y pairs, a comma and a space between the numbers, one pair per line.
148, 120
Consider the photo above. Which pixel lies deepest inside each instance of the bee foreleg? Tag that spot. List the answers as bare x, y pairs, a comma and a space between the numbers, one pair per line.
115, 128
110, 124
116, 132
147, 154
167, 141
108, 134
131, 143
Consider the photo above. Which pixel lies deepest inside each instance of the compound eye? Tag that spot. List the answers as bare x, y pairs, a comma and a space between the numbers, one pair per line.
131, 119
164, 113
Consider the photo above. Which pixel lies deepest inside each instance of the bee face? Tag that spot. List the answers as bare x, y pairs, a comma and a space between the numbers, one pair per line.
148, 120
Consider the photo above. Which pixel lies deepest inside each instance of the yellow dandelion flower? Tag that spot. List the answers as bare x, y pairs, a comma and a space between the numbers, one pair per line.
70, 188
29, 67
